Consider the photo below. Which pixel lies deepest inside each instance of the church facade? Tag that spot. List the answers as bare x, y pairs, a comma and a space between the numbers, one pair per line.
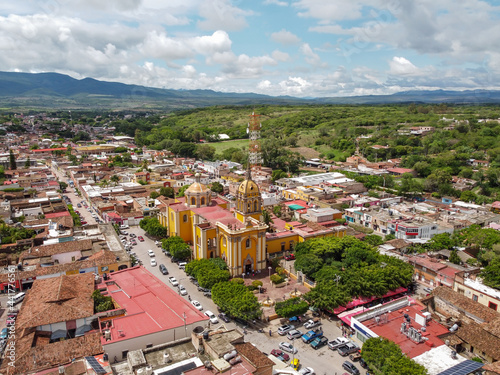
239, 236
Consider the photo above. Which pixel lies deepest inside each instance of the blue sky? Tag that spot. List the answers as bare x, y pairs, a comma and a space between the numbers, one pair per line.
303, 48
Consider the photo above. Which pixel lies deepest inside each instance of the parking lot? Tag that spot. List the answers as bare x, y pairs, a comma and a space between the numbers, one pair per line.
323, 360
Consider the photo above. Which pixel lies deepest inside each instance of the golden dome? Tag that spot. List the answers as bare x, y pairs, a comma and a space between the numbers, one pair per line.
197, 187
248, 187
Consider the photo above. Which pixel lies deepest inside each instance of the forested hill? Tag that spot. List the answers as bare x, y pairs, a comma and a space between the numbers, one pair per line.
53, 90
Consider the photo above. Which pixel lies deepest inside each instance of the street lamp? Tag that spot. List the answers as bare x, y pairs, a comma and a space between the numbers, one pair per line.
270, 268
185, 328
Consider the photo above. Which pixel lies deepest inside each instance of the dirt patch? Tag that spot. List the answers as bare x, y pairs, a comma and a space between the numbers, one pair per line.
307, 152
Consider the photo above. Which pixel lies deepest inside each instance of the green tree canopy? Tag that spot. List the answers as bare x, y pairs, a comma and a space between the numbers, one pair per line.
386, 357
291, 307
236, 300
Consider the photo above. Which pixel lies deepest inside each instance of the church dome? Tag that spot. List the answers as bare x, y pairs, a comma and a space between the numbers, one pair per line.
197, 187
248, 187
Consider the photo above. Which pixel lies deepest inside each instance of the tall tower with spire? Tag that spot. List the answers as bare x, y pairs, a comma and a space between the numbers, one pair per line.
248, 199
254, 148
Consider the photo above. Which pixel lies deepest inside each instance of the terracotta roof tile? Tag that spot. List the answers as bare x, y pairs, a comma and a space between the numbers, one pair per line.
37, 358
466, 304
58, 248
476, 335
57, 299
253, 355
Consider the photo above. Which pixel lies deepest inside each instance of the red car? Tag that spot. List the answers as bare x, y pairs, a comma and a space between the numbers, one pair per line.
290, 257
140, 238
280, 354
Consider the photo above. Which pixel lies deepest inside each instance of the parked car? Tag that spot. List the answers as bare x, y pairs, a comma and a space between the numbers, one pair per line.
293, 334
173, 281
284, 329
295, 364
306, 371
153, 262
4, 334
140, 238
349, 367
347, 349
151, 253
208, 294
339, 341
163, 269
197, 305
212, 317
201, 289
224, 317
294, 319
280, 354
133, 235
124, 232
319, 342
287, 347
311, 323
290, 257
363, 363
182, 290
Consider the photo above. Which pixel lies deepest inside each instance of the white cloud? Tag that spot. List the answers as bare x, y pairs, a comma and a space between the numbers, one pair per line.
402, 66
276, 2
221, 14
264, 85
280, 56
285, 37
294, 86
310, 56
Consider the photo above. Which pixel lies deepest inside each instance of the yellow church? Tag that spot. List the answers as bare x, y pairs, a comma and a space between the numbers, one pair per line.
238, 235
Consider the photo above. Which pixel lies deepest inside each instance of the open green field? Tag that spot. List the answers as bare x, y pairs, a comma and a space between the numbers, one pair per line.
224, 145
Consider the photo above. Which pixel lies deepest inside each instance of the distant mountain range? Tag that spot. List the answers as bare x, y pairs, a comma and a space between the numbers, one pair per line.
53, 90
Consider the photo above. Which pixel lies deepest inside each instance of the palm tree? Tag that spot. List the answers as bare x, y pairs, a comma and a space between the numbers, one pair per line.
115, 179
266, 217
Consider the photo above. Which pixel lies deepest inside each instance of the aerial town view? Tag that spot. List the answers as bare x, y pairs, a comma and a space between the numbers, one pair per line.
278, 187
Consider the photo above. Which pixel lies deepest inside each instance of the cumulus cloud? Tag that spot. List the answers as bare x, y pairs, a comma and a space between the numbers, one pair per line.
285, 37
402, 66
221, 14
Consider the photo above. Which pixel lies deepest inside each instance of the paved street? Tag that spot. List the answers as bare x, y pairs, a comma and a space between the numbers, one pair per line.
70, 193
323, 361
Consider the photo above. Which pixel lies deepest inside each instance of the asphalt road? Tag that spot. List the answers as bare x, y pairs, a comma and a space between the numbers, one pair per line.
323, 361
70, 193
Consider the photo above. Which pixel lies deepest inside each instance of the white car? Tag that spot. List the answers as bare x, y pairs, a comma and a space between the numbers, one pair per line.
153, 262
182, 290
151, 253
306, 371
173, 281
197, 305
284, 329
287, 347
293, 334
311, 323
212, 317
339, 341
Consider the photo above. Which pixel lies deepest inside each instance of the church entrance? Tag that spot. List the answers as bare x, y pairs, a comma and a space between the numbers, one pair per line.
248, 266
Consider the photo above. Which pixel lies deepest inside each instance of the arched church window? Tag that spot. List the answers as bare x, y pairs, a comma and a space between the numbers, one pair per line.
202, 200
193, 201
255, 206
247, 243
185, 218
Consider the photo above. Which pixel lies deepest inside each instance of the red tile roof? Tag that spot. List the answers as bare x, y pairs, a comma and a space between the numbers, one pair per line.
392, 331
57, 299
151, 305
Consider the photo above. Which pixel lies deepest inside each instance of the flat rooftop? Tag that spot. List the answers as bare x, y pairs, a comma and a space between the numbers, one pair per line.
150, 305
392, 330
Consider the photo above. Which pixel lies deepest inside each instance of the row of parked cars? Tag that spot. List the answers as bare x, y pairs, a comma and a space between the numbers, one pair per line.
315, 338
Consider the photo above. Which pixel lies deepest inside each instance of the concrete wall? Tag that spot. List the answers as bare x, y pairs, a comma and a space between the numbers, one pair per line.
115, 349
